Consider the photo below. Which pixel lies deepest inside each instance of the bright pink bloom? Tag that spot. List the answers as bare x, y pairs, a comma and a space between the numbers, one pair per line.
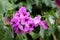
13, 21
20, 21
36, 20
22, 10
43, 24
16, 15
23, 22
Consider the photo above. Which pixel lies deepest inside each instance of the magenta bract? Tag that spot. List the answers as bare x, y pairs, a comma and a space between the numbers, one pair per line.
57, 2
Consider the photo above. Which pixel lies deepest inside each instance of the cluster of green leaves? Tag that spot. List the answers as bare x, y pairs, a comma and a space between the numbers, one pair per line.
45, 8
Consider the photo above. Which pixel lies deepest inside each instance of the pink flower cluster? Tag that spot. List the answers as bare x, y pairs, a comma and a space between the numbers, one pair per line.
23, 22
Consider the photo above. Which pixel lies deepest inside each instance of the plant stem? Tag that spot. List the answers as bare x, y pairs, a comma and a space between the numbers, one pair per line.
54, 37
15, 36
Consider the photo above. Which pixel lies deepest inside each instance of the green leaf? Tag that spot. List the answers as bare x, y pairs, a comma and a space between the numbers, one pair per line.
51, 19
42, 33
34, 35
21, 4
50, 31
47, 2
29, 7
1, 8
21, 37
5, 33
53, 4
38, 3
31, 2
5, 6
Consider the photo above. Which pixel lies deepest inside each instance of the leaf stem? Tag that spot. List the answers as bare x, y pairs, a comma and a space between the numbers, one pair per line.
15, 36
54, 37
